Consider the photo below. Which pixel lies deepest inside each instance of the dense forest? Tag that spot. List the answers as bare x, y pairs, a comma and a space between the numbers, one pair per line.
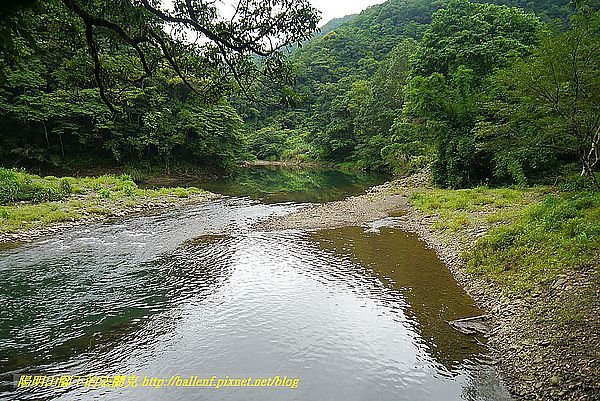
116, 82
484, 93
495, 92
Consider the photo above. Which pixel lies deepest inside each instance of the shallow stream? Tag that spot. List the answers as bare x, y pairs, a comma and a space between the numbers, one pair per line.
356, 313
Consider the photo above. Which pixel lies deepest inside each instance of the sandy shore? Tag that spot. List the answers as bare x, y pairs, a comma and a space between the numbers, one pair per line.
355, 210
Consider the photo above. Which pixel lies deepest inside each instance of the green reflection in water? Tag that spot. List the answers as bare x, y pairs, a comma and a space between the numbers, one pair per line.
273, 184
7, 246
404, 263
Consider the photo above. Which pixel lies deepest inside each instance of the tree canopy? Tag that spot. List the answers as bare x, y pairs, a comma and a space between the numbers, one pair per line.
483, 92
135, 79
410, 83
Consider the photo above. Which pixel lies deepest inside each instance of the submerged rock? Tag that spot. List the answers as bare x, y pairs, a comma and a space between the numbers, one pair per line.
471, 325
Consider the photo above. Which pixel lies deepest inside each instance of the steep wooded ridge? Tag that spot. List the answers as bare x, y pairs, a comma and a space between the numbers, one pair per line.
402, 85
409, 82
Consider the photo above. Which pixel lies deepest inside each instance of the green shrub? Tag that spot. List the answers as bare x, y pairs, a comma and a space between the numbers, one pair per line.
104, 193
65, 186
129, 190
19, 186
9, 185
576, 182
563, 232
41, 193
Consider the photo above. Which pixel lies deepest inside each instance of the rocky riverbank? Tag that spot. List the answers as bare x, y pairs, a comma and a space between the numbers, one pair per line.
546, 341
352, 211
540, 356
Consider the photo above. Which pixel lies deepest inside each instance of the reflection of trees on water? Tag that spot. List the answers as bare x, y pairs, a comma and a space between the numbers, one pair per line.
128, 308
282, 184
407, 266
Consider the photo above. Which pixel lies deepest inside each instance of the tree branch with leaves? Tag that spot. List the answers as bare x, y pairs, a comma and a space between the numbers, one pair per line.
222, 43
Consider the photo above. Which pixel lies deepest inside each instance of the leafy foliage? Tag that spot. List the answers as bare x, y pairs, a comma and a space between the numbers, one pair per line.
412, 83
485, 92
19, 186
549, 104
480, 37
560, 233
107, 80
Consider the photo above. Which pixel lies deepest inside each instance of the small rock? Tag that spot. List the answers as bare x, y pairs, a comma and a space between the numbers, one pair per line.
472, 325
554, 380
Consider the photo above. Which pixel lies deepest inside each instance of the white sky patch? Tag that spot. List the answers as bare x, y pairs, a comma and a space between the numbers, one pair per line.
331, 9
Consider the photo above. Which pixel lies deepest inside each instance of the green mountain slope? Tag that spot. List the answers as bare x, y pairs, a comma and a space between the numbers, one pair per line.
348, 103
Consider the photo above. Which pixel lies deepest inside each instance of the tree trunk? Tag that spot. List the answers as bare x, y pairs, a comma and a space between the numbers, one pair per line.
62, 146
46, 135
590, 160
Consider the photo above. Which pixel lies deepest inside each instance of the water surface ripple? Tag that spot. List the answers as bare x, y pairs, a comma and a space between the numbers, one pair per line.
355, 314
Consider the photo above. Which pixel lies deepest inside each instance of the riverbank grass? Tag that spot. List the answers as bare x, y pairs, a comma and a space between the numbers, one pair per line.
528, 236
457, 210
544, 240
28, 201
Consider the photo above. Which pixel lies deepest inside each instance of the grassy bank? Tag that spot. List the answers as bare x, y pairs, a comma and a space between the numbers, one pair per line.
531, 258
528, 237
31, 202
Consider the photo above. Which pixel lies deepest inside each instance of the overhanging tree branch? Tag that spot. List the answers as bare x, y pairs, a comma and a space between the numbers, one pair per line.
254, 29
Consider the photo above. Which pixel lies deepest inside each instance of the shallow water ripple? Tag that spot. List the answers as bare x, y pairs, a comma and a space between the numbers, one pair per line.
355, 314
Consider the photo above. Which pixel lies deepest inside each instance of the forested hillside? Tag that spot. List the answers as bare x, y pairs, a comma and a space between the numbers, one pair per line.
497, 92
486, 92
109, 83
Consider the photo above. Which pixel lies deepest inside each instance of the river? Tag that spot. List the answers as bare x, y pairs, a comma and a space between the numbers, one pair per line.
356, 313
